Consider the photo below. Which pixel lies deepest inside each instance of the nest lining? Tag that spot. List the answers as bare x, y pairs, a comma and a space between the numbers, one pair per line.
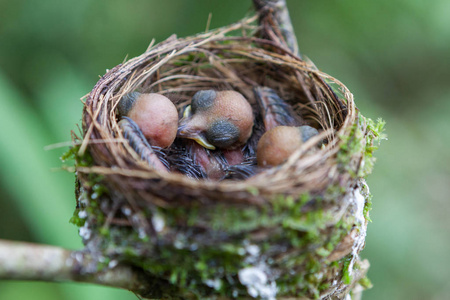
326, 176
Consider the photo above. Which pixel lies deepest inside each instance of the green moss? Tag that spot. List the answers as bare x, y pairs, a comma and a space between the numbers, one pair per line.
322, 251
89, 192
104, 231
191, 269
375, 134
82, 160
352, 145
235, 220
346, 277
302, 227
367, 207
359, 142
365, 283
102, 263
311, 222
99, 189
323, 286
70, 154
290, 284
76, 220
230, 219
307, 283
81, 205
312, 263
282, 204
334, 192
341, 230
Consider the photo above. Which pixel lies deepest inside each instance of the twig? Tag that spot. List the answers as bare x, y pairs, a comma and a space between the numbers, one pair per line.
26, 261
278, 9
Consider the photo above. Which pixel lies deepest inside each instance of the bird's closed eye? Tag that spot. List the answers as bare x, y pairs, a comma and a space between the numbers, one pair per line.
222, 134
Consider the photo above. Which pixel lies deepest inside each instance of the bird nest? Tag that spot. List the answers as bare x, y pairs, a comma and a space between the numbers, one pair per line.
290, 231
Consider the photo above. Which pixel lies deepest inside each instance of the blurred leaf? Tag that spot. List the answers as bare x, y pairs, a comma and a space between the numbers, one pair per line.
45, 198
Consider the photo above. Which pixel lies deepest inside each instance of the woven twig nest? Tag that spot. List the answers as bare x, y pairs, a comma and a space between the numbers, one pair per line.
292, 231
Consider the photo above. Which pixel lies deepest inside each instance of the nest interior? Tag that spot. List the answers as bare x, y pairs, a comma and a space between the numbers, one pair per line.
289, 231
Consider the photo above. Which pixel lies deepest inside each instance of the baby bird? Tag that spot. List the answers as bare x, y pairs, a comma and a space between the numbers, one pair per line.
193, 160
217, 119
154, 114
277, 144
283, 134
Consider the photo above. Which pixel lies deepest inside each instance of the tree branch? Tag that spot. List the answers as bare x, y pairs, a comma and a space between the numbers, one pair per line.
278, 9
26, 261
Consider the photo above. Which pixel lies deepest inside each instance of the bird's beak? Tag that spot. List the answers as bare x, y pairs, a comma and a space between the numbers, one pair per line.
186, 130
198, 137
203, 142
187, 112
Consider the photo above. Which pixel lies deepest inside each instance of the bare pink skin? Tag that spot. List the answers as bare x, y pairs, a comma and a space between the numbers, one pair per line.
234, 157
277, 144
157, 117
210, 165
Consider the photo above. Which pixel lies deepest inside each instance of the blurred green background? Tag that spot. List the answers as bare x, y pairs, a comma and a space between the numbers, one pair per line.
393, 55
